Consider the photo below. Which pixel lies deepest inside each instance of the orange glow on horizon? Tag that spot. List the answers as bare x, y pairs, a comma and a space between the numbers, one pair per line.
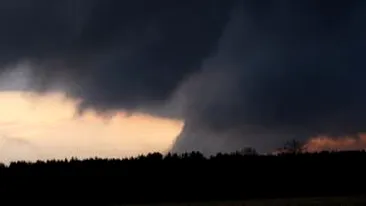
45, 127
324, 143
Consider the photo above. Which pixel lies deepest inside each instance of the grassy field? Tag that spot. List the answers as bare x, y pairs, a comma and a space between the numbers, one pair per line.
339, 201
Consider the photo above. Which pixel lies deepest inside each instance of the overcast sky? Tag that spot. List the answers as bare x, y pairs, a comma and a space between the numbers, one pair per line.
237, 73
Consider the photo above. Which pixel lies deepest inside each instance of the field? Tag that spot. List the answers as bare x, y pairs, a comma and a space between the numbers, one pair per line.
339, 201
193, 177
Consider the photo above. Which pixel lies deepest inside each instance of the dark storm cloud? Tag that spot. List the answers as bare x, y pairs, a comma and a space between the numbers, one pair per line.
284, 69
113, 54
301, 64
239, 72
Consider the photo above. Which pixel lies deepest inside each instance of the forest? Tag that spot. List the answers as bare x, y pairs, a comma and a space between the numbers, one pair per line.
188, 177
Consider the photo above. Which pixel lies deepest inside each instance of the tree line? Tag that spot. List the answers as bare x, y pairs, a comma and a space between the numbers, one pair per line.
186, 177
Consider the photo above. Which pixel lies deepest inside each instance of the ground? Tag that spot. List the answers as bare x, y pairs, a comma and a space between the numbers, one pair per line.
351, 201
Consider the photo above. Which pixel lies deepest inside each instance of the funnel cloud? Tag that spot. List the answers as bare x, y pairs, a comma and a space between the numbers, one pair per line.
239, 73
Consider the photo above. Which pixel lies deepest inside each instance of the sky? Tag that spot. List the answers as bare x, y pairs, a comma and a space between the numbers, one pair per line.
46, 127
217, 75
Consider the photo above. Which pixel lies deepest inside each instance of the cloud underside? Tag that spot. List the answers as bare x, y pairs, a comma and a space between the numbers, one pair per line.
238, 73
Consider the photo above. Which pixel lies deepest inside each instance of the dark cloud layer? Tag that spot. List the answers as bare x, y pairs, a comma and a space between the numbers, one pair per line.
238, 72
121, 54
289, 69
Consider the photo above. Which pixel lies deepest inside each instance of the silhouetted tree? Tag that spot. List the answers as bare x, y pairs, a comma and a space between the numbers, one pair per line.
248, 151
187, 177
294, 146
